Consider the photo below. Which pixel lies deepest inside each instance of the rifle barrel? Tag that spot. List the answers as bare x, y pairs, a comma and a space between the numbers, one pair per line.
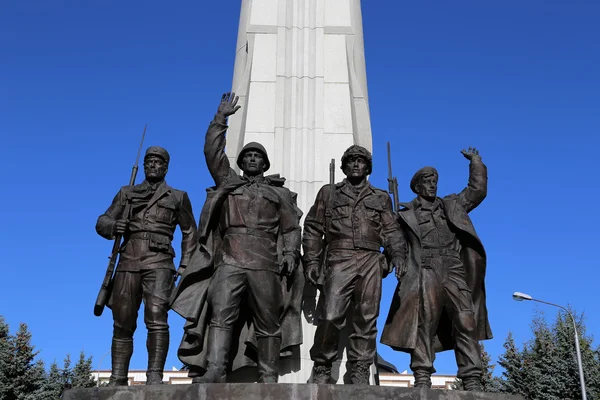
106, 287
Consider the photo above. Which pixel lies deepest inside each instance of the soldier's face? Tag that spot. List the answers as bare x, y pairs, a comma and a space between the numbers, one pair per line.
356, 167
253, 163
155, 169
427, 187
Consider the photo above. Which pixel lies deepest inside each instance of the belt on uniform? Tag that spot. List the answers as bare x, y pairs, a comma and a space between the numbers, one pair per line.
147, 235
252, 232
349, 244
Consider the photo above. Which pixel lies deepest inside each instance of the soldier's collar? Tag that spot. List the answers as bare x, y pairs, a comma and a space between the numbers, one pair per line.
254, 179
437, 203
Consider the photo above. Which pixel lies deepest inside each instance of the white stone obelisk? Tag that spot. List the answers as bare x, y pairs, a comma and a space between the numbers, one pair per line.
300, 74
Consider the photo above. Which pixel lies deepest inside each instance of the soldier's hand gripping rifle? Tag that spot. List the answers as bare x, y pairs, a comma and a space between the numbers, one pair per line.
106, 287
392, 181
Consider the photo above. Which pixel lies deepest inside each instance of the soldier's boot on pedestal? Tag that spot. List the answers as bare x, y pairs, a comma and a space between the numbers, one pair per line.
422, 378
268, 359
120, 352
219, 344
321, 373
472, 384
361, 372
158, 346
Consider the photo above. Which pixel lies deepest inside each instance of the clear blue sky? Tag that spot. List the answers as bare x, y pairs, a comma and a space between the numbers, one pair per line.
79, 79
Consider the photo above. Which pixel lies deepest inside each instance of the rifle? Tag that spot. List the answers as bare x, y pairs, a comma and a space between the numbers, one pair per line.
107, 283
332, 174
328, 215
392, 181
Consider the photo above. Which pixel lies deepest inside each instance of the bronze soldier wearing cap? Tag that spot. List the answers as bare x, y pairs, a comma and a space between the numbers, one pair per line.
146, 270
351, 224
439, 303
249, 248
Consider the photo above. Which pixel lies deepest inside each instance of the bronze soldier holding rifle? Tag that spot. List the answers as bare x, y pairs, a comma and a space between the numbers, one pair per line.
145, 270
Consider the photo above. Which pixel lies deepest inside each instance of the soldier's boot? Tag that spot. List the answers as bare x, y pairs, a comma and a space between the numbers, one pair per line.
120, 353
422, 378
158, 347
472, 384
321, 373
219, 345
268, 359
361, 373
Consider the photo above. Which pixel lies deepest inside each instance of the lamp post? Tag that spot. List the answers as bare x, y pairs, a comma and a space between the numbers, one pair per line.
98, 371
518, 296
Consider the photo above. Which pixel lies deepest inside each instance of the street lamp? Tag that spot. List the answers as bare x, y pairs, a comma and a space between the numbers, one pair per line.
518, 296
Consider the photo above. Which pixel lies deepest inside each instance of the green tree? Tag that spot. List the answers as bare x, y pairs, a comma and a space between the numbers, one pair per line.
82, 372
540, 363
53, 385
512, 362
67, 373
5, 358
564, 337
546, 368
24, 376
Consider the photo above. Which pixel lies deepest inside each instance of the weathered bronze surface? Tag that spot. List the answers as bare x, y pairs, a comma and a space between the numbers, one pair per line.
145, 270
439, 303
343, 234
242, 293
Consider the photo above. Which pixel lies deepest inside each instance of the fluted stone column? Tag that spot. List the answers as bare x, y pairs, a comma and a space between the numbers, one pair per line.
300, 74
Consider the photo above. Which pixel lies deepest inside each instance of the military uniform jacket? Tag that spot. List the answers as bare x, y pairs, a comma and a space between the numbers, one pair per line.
153, 221
400, 331
190, 300
349, 221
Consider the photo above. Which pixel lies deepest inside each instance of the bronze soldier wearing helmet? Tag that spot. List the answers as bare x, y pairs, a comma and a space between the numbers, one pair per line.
249, 238
351, 225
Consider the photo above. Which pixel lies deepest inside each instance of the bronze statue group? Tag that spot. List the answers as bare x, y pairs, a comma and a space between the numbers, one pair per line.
243, 274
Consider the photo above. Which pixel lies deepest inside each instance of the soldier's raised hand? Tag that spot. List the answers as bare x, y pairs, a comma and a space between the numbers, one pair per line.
228, 104
288, 265
401, 267
471, 154
120, 226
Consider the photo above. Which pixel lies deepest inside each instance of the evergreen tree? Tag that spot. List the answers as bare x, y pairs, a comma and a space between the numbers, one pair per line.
82, 373
53, 385
546, 368
564, 337
67, 373
540, 363
24, 376
5, 358
512, 362
37, 380
489, 382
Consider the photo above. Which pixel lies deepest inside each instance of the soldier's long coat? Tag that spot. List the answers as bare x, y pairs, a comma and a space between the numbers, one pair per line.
400, 331
190, 300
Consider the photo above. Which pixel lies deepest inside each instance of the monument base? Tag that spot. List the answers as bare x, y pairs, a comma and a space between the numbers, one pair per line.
275, 391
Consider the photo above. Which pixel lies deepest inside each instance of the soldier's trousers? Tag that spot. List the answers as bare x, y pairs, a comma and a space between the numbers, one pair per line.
443, 286
154, 286
263, 289
352, 275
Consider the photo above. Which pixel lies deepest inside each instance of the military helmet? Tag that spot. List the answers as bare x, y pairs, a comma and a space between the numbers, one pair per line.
256, 147
159, 152
356, 150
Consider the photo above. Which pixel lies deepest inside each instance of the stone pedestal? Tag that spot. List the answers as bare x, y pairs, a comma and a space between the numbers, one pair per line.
242, 391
